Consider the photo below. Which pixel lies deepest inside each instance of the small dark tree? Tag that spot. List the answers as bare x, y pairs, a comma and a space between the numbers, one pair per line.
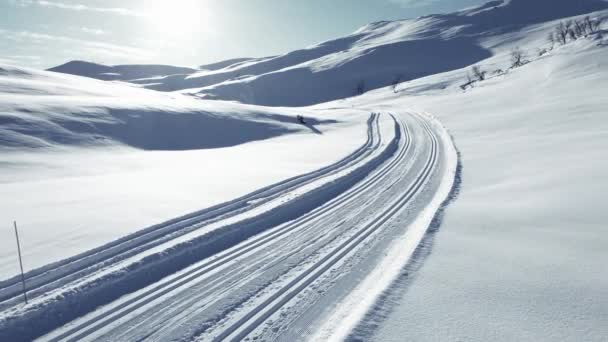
360, 88
561, 33
478, 73
517, 58
572, 34
588, 24
396, 83
580, 29
470, 82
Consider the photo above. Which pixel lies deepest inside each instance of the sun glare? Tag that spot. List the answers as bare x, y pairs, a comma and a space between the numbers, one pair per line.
178, 17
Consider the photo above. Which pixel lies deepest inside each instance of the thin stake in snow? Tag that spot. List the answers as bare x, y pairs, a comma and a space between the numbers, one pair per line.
20, 261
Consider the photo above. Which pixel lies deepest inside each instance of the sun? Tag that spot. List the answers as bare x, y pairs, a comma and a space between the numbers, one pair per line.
177, 17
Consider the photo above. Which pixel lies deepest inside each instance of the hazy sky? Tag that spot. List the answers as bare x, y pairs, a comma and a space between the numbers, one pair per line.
45, 33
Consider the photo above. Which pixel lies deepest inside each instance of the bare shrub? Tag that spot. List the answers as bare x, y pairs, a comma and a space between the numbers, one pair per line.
396, 83
588, 24
561, 33
592, 25
470, 82
478, 73
580, 29
517, 58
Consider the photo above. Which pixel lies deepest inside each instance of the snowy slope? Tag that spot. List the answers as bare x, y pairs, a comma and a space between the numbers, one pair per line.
515, 252
379, 53
119, 72
225, 64
309, 230
46, 109
374, 56
520, 254
82, 153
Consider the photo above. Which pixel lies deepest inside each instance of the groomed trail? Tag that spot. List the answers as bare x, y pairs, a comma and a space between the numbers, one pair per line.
270, 265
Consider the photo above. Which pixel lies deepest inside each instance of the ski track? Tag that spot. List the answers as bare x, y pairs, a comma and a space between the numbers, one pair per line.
240, 329
245, 269
88, 262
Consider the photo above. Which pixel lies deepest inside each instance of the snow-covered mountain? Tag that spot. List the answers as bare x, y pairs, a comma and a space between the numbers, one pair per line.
364, 223
119, 72
373, 57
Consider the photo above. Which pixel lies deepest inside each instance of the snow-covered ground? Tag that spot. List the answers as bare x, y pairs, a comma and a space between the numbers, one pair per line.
520, 255
362, 248
85, 162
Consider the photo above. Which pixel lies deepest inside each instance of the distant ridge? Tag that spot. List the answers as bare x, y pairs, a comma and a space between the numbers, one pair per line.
125, 72
370, 58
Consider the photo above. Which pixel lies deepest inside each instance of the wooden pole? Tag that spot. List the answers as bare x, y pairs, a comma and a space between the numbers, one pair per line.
20, 262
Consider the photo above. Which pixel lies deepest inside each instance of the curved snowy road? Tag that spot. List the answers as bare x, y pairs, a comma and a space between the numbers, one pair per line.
271, 265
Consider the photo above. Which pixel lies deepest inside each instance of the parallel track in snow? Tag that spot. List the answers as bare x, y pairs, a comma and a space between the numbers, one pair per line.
90, 326
259, 266
74, 291
259, 314
42, 280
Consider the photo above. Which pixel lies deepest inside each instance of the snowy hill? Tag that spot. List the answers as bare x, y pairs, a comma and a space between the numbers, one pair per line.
353, 226
516, 256
55, 129
378, 54
373, 57
119, 72
40, 108
224, 64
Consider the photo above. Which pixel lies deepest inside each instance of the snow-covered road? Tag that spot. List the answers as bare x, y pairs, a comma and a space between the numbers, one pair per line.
272, 264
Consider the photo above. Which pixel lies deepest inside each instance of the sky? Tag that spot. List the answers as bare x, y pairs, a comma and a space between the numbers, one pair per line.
47, 33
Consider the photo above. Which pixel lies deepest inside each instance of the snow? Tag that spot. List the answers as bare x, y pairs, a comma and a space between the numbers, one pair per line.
520, 253
516, 252
119, 72
192, 239
376, 54
79, 157
352, 310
